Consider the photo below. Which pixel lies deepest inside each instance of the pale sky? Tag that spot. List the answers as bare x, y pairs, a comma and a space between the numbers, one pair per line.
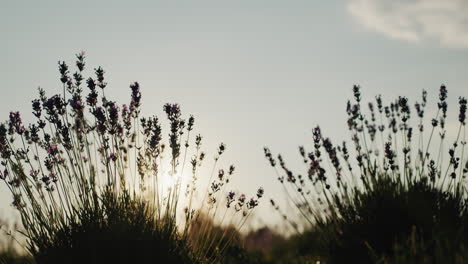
253, 72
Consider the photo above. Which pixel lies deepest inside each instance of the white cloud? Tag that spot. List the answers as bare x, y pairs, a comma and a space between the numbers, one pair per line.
445, 21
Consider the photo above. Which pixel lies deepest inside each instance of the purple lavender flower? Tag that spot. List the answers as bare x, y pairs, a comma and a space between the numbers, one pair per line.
80, 60
241, 199
317, 134
260, 192
52, 150
16, 123
63, 69
230, 198
113, 156
252, 203
136, 98
92, 97
100, 77
37, 109
100, 119
442, 100
231, 169
172, 111
357, 93
462, 115
221, 174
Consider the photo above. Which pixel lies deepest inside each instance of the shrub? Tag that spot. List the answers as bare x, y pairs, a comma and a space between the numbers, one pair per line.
97, 188
367, 201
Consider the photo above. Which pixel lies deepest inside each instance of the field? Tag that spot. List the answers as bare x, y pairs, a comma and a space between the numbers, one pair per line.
95, 182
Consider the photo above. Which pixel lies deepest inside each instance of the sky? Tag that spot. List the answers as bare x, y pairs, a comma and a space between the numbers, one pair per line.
254, 73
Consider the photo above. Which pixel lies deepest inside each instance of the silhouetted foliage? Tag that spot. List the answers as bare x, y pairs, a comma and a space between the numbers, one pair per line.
97, 190
399, 186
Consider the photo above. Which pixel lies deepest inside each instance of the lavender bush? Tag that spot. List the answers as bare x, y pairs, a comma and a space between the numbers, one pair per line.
88, 179
395, 182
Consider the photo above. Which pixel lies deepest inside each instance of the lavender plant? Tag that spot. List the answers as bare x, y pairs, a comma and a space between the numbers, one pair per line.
397, 176
89, 178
